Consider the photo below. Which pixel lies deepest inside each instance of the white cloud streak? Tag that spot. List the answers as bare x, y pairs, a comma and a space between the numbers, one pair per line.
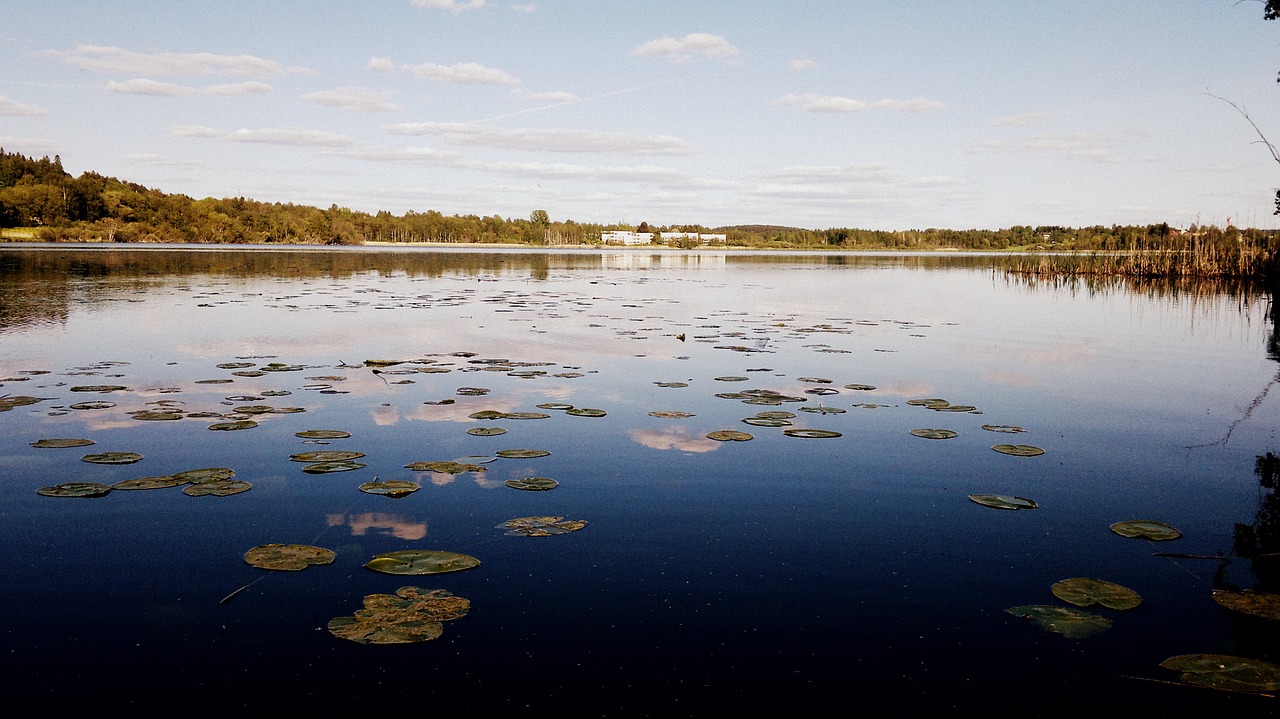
118, 61
143, 86
465, 73
687, 48
546, 140
812, 102
451, 5
13, 107
353, 99
381, 64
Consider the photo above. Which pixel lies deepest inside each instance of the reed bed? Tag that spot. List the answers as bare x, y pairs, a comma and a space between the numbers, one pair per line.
1189, 259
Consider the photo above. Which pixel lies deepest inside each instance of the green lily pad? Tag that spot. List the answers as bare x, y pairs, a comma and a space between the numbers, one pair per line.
205, 474
1003, 501
234, 365
812, 433
668, 414
9, 402
729, 435
1085, 591
487, 414
409, 616
672, 384
541, 526
394, 488
446, 467
555, 405
1146, 529
734, 378
1259, 604
97, 404
281, 367
421, 561
75, 489
860, 387
217, 488
322, 434
1223, 671
524, 415
112, 458
288, 557
1069, 622
533, 484
99, 388
331, 467
1018, 450
159, 482
930, 402
472, 391
522, 453
233, 426
823, 410
255, 409
933, 433
585, 412
249, 373
156, 415
1007, 428
325, 455
60, 443
486, 431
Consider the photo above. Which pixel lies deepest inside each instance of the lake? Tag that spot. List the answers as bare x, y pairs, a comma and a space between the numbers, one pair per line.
822, 550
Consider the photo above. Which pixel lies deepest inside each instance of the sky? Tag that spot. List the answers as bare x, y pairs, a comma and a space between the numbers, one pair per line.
870, 114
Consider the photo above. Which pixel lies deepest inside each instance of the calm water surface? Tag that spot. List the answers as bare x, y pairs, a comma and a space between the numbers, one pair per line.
783, 573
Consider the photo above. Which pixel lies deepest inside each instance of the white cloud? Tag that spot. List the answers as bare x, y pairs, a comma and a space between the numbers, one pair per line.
467, 73
555, 96
353, 99
405, 155
800, 63
147, 158
450, 5
832, 174
115, 60
1073, 146
917, 105
289, 136
195, 131
143, 86
381, 64
688, 47
811, 102
13, 107
1024, 119
546, 140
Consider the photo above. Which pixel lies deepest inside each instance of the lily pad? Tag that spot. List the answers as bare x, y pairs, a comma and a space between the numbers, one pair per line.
98, 404
112, 458
156, 415
421, 561
217, 488
322, 434
669, 414
585, 412
930, 402
234, 365
860, 387
1259, 604
410, 615
541, 526
555, 405
325, 455
525, 415
767, 422
75, 489
449, 467
1070, 623
331, 467
394, 488
1018, 450
61, 443
486, 431
205, 474
9, 402
812, 433
233, 426
255, 409
933, 433
522, 453
99, 388
1006, 428
159, 482
1146, 529
1085, 591
288, 557
1003, 501
533, 484
729, 435
1223, 671
823, 410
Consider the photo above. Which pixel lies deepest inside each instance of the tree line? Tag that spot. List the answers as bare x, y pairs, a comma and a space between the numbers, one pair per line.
54, 206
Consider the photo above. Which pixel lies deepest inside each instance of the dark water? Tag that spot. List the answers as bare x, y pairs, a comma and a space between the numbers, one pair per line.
785, 574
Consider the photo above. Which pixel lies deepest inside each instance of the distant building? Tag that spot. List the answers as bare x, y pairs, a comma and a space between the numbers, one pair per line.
623, 237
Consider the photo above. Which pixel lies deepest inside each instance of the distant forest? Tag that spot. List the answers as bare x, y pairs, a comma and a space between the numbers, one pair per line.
39, 200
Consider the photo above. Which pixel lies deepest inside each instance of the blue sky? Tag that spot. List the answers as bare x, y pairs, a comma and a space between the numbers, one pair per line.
870, 114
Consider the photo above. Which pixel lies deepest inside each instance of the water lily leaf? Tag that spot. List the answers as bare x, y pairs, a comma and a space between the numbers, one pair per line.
930, 402
325, 455
533, 484
555, 405
281, 367
522, 453
860, 387
331, 467
249, 373
233, 426
486, 431
823, 410
159, 482
99, 404
1223, 671
1146, 529
322, 434
410, 615
933, 433
1070, 623
75, 489
817, 380
156, 415
394, 488
255, 409
824, 391
217, 488
234, 365
585, 412
288, 557
541, 526
1258, 604
1018, 450
9, 402
421, 561
672, 384
99, 388
667, 414
205, 474
1007, 428
1002, 501
382, 362
731, 379
60, 443
957, 408
112, 458
1085, 591
487, 414
729, 435
473, 391
767, 422
525, 415
812, 433
447, 467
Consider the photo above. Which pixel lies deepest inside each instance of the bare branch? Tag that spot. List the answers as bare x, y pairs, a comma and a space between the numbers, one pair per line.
1275, 154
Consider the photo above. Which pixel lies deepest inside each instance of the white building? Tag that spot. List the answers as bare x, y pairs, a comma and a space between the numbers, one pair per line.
623, 237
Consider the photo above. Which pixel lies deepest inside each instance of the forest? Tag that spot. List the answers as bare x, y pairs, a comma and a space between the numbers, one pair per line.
40, 201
